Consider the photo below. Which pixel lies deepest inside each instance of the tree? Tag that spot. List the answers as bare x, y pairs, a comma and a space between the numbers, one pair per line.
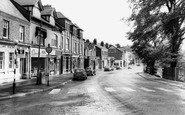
102, 43
158, 29
87, 41
118, 45
95, 41
107, 45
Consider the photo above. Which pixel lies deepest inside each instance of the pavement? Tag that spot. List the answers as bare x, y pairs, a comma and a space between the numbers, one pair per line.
26, 87
154, 78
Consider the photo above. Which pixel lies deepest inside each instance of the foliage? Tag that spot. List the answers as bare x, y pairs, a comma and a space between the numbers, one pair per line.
118, 45
158, 29
87, 41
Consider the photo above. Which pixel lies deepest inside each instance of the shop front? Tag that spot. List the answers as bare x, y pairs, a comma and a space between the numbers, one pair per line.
67, 63
13, 58
44, 60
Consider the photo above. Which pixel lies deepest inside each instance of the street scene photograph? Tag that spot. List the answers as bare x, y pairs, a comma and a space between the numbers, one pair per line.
92, 57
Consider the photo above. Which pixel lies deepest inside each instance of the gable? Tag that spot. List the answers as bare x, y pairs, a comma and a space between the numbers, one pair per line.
7, 7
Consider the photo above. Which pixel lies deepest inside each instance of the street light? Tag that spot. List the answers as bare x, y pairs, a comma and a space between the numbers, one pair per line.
15, 63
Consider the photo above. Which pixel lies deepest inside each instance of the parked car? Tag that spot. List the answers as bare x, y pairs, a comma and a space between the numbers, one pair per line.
112, 68
90, 71
118, 67
107, 68
79, 74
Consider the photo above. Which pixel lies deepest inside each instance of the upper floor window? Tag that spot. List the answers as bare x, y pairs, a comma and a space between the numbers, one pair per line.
21, 33
2, 60
11, 59
54, 41
62, 43
67, 44
41, 38
81, 49
5, 29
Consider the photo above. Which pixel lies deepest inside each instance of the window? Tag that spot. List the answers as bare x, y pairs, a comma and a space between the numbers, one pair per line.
11, 59
54, 41
1, 60
5, 29
21, 33
67, 44
41, 37
81, 49
62, 43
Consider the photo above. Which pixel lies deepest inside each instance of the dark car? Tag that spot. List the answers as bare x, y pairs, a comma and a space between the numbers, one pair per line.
90, 71
107, 68
118, 67
79, 74
112, 68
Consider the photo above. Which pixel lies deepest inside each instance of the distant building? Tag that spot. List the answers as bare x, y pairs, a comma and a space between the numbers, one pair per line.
118, 55
102, 57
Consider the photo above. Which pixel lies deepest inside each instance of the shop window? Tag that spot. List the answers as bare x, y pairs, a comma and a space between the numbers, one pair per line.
11, 59
2, 60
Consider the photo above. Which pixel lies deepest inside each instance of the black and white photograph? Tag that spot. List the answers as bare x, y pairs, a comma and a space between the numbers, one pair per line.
92, 57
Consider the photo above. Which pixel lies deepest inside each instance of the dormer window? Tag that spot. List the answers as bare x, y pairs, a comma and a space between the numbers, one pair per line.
29, 8
46, 18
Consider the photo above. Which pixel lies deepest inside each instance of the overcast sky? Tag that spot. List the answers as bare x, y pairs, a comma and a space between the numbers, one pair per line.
100, 19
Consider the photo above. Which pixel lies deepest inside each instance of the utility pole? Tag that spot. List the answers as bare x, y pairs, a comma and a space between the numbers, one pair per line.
39, 76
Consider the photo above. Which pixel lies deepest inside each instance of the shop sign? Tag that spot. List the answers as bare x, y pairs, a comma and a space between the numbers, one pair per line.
43, 53
34, 52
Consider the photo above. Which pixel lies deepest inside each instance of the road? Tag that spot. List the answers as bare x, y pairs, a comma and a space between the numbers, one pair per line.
119, 92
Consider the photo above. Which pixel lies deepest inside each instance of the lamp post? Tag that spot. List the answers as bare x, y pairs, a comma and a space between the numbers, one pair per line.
48, 50
15, 63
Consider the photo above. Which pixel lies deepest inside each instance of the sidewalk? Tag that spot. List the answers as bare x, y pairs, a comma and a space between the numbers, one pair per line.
28, 86
162, 80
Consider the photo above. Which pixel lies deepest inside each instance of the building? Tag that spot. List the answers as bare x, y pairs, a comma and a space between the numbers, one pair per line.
66, 57
89, 55
43, 31
102, 57
118, 56
14, 41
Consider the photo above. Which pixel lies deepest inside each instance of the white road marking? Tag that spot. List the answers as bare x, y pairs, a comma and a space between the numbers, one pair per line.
163, 89
109, 89
91, 90
54, 91
72, 91
146, 89
128, 89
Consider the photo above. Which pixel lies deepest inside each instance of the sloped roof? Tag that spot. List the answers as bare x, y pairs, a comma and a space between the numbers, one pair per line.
113, 47
48, 10
9, 8
61, 16
26, 2
104, 48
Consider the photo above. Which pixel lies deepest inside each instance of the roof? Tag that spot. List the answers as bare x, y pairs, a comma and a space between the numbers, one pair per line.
48, 10
125, 48
26, 2
116, 48
101, 47
10, 8
61, 16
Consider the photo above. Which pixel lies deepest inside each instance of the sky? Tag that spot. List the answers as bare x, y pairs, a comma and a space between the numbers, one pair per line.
100, 19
